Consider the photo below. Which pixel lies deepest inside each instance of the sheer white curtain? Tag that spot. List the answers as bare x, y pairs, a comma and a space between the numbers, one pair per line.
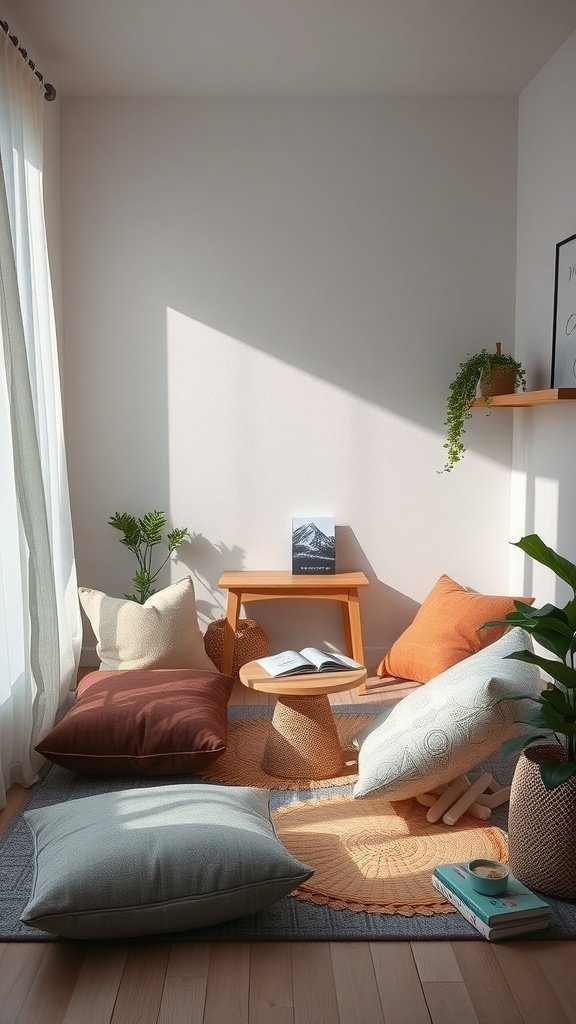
40, 627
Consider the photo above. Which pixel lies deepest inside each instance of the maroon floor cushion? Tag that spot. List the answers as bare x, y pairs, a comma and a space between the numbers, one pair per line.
147, 722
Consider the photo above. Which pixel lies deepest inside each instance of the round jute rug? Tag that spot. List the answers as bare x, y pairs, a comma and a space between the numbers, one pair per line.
240, 764
376, 856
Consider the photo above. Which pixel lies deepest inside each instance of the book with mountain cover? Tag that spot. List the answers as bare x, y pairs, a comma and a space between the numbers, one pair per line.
506, 930
516, 904
309, 659
313, 546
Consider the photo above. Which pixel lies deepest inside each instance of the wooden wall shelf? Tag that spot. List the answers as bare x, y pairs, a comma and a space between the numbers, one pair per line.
524, 398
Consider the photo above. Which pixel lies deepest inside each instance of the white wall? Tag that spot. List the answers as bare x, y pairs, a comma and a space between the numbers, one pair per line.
544, 488
265, 303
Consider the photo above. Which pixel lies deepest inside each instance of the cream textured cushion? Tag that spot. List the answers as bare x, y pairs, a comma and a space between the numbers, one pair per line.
448, 726
156, 860
161, 633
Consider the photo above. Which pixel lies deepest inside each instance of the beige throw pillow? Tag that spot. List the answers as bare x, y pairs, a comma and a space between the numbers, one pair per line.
161, 633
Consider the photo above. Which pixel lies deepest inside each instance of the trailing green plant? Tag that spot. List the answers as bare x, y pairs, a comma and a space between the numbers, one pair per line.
141, 536
462, 393
554, 716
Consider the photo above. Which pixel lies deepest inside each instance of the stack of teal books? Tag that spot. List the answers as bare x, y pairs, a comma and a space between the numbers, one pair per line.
515, 912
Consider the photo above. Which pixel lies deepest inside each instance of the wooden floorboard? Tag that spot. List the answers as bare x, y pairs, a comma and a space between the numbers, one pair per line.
401, 993
53, 986
141, 988
228, 983
486, 984
271, 991
315, 1000
357, 992
557, 961
532, 989
16, 798
289, 983
184, 992
94, 995
19, 966
467, 982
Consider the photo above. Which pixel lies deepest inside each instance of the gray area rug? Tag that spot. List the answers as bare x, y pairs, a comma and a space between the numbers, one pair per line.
289, 919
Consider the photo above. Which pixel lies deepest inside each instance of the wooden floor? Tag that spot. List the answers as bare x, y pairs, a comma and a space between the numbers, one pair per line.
286, 982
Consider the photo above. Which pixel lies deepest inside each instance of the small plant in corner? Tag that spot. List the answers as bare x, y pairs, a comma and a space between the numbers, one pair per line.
487, 370
554, 716
141, 536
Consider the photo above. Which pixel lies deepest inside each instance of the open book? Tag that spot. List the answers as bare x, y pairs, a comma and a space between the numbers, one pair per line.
309, 659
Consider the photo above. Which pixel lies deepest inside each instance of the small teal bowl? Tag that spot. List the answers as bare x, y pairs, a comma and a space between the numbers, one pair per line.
492, 884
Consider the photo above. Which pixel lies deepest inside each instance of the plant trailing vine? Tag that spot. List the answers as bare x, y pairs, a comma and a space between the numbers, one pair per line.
141, 536
463, 391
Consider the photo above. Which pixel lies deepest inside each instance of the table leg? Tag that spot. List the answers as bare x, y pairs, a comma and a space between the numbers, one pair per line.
355, 624
232, 613
354, 631
346, 626
302, 742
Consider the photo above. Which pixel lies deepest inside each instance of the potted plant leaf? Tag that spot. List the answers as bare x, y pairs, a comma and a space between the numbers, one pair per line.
141, 535
542, 822
491, 372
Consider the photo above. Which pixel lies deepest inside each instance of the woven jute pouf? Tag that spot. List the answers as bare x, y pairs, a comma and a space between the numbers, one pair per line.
251, 642
542, 826
302, 741
241, 762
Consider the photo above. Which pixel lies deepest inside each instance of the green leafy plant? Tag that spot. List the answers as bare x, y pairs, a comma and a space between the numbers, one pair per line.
141, 536
462, 393
554, 716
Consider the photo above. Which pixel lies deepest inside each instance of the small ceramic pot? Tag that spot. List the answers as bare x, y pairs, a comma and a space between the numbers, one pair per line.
502, 381
489, 877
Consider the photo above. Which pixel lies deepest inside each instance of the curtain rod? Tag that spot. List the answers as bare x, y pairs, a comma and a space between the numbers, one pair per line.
49, 90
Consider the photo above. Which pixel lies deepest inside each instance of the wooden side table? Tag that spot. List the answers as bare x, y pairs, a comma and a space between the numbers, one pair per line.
302, 741
247, 586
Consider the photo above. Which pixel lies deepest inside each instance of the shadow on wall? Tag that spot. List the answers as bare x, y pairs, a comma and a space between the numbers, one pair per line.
206, 562
385, 612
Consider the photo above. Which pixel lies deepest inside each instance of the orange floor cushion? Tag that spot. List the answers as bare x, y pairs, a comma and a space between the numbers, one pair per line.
446, 629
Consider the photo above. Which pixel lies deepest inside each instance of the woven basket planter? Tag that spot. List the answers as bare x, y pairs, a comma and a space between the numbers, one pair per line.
251, 642
542, 826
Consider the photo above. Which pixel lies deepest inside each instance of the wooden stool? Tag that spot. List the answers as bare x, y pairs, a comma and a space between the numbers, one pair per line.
244, 586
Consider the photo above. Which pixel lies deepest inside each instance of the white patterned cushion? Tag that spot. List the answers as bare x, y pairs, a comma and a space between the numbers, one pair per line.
447, 726
161, 633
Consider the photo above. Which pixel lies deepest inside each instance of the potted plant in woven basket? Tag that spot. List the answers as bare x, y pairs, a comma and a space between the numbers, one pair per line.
542, 820
490, 372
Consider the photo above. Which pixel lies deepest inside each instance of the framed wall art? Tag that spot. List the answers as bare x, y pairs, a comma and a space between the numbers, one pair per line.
313, 545
564, 323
